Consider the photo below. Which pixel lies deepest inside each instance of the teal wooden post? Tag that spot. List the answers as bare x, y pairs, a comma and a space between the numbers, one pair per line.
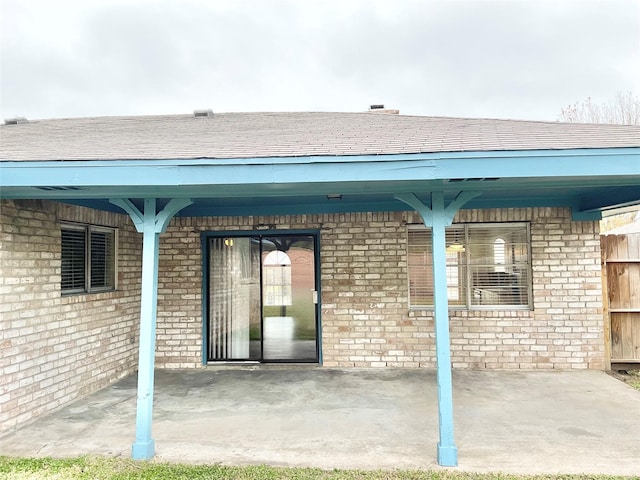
150, 225
144, 446
447, 450
438, 217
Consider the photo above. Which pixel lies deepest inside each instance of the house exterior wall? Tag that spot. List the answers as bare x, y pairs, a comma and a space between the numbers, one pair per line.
366, 319
57, 348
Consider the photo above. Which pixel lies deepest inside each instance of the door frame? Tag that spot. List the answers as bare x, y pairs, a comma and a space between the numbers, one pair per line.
204, 249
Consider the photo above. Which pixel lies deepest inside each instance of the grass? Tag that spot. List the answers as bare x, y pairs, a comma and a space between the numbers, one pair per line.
634, 379
99, 468
303, 311
630, 377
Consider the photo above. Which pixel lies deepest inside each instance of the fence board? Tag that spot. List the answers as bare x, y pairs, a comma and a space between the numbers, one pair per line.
621, 274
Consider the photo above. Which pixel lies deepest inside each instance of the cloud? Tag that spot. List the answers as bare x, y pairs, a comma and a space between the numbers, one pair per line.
518, 59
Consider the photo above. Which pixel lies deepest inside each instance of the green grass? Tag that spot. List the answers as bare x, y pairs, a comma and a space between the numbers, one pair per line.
303, 311
99, 468
634, 379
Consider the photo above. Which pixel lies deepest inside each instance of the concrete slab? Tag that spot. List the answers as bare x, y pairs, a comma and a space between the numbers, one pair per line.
520, 422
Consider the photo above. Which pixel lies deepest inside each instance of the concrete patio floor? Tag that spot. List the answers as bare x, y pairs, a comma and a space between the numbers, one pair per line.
520, 422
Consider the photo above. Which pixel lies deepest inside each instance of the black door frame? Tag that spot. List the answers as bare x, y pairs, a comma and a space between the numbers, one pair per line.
205, 249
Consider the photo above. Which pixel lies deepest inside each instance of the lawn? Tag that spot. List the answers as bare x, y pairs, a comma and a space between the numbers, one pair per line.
634, 379
630, 377
98, 468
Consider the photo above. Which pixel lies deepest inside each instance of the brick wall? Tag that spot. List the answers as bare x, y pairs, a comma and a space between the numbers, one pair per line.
179, 317
366, 321
57, 348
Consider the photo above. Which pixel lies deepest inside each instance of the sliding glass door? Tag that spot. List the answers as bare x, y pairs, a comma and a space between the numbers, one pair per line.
262, 300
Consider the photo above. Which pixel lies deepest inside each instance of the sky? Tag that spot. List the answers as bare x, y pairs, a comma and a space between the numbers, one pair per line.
519, 59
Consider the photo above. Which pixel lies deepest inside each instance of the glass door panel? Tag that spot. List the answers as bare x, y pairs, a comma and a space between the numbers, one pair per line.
289, 298
234, 302
262, 298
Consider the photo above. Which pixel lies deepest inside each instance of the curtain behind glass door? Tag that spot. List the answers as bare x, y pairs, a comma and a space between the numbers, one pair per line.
234, 303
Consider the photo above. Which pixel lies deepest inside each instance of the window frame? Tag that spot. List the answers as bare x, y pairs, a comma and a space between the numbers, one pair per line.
88, 230
466, 271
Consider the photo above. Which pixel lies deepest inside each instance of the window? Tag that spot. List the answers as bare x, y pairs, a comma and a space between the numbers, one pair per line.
88, 258
488, 266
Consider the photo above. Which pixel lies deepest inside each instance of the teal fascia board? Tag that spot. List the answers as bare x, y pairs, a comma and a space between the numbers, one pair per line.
502, 164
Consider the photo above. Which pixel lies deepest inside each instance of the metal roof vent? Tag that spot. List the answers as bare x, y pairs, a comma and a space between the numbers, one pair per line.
203, 113
379, 108
458, 180
15, 121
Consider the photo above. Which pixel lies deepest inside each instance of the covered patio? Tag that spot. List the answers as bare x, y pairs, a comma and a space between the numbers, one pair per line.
523, 422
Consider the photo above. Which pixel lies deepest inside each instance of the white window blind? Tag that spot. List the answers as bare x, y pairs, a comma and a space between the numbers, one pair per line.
488, 266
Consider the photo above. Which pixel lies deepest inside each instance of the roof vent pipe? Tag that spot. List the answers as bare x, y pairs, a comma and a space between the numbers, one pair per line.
203, 113
15, 121
379, 108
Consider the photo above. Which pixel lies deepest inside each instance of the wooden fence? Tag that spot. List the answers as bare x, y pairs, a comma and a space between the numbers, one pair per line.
621, 299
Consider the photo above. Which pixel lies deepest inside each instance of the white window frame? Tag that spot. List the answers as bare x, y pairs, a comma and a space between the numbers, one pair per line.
88, 229
464, 270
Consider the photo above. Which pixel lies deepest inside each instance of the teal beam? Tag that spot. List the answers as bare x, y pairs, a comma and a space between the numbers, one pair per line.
413, 201
438, 217
169, 211
613, 197
588, 216
150, 224
136, 216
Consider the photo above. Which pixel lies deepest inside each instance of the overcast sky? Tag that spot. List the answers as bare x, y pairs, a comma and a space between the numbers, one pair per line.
497, 59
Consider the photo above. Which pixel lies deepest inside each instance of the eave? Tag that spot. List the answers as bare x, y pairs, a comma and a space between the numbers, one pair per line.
586, 180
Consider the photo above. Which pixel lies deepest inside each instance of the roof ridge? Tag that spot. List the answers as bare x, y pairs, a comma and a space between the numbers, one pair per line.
319, 112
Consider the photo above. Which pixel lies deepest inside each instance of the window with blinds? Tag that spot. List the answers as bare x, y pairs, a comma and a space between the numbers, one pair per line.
88, 259
488, 266
74, 249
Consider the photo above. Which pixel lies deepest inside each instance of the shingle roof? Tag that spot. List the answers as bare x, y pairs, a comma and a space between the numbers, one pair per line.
248, 135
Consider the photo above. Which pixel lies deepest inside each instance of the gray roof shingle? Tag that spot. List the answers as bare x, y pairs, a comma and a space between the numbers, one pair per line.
263, 135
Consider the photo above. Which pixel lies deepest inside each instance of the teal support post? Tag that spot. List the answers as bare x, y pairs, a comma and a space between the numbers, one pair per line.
150, 224
438, 217
144, 446
447, 450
